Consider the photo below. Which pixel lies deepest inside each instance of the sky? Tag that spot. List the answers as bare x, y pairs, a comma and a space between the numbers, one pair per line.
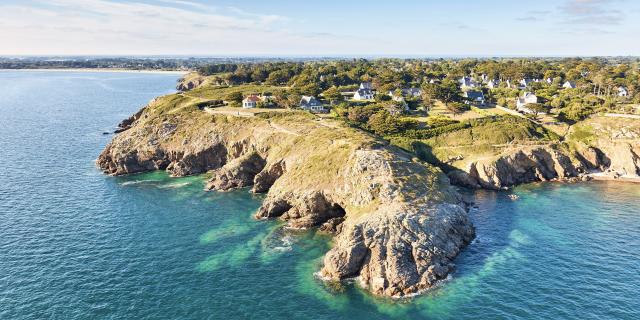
320, 28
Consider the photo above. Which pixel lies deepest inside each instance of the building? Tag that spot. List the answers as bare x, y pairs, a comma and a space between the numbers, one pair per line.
508, 82
474, 97
311, 104
526, 82
366, 85
493, 84
363, 94
251, 101
467, 83
522, 102
396, 97
569, 85
412, 92
622, 92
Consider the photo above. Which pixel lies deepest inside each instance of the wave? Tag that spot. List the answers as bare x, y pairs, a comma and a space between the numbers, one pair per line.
174, 185
128, 183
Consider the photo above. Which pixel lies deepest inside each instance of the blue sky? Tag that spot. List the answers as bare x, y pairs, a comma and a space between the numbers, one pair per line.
312, 28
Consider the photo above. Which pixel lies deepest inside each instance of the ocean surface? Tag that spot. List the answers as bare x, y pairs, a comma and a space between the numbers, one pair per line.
75, 244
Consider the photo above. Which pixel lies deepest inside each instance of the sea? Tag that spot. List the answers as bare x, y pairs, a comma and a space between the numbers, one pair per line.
77, 244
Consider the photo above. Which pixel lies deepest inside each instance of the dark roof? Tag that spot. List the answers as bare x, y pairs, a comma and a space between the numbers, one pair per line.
474, 95
308, 101
366, 85
363, 92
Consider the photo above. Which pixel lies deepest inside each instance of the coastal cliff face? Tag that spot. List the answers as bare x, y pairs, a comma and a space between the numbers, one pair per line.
190, 81
398, 224
599, 147
515, 166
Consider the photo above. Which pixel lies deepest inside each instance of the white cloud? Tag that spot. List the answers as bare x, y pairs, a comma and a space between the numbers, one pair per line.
168, 27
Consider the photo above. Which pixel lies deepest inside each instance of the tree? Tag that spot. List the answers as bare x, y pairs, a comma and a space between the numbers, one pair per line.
429, 92
448, 92
234, 97
362, 114
287, 100
383, 123
333, 95
278, 77
457, 108
538, 108
382, 97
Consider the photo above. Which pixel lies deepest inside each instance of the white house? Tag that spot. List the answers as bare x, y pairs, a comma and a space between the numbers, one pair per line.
363, 94
474, 97
622, 92
396, 97
508, 82
366, 85
467, 83
311, 104
525, 82
549, 80
251, 101
405, 92
493, 84
569, 85
522, 102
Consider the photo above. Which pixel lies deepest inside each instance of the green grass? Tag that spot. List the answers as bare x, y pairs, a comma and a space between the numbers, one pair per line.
582, 133
221, 92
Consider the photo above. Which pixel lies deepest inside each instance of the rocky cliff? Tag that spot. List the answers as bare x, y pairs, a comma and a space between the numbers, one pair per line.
398, 224
190, 81
599, 147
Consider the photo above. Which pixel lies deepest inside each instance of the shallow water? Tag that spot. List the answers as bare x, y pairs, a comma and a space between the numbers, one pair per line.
75, 244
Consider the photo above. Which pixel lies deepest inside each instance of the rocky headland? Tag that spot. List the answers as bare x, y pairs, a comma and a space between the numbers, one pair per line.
397, 221
398, 224
597, 148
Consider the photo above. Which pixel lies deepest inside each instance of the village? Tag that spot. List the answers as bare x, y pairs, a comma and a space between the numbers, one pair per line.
393, 97
476, 97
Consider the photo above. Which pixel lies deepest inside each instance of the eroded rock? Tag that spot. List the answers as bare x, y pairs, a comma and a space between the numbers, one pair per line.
399, 224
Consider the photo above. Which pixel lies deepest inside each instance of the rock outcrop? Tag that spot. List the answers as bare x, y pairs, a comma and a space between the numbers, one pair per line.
398, 223
190, 81
604, 146
517, 166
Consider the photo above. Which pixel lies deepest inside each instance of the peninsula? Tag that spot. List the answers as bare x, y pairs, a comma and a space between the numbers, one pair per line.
369, 150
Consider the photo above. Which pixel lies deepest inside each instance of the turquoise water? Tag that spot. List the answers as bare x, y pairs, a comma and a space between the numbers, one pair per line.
75, 244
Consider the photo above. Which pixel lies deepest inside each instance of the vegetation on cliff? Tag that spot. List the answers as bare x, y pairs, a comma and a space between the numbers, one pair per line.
373, 172
398, 222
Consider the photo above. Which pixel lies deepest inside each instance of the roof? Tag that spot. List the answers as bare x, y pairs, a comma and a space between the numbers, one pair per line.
307, 101
412, 91
366, 85
251, 98
467, 82
475, 95
527, 98
363, 92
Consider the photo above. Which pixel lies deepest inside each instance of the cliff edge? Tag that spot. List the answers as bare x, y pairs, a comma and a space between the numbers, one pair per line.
398, 223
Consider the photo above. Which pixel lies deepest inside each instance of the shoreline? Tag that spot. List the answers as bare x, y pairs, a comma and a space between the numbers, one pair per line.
600, 176
100, 70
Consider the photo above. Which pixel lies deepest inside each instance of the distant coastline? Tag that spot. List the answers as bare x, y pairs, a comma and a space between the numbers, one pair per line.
178, 72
